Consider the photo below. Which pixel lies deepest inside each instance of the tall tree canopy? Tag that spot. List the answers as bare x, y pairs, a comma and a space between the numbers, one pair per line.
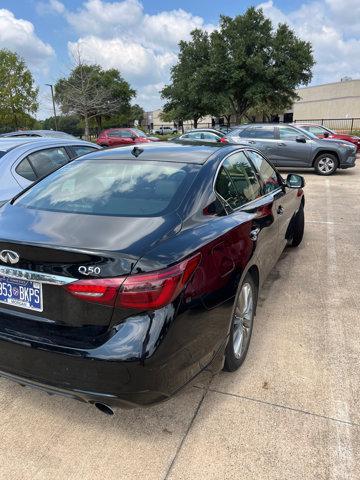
91, 92
245, 65
188, 96
18, 94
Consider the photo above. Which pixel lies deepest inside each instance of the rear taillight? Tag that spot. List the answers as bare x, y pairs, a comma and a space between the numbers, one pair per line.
147, 291
223, 140
157, 289
102, 290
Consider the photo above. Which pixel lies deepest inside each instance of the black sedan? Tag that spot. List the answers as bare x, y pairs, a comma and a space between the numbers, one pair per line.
128, 271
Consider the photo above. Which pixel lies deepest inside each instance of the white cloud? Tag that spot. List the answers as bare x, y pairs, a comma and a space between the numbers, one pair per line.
336, 46
19, 35
140, 64
52, 6
120, 34
168, 28
106, 19
142, 46
346, 13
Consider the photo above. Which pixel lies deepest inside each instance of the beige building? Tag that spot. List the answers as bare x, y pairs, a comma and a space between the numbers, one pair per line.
152, 120
339, 100
331, 100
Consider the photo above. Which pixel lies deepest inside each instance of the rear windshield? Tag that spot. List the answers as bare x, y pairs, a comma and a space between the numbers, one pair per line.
112, 187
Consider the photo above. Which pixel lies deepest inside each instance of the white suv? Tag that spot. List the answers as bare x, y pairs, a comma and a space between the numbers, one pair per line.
165, 130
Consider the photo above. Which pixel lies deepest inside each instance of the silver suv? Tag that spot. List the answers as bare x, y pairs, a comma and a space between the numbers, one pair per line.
289, 146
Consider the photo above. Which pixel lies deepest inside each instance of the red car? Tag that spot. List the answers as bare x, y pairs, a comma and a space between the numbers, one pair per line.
121, 136
324, 132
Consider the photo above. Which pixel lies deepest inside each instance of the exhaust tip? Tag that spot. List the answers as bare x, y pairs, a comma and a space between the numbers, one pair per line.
104, 408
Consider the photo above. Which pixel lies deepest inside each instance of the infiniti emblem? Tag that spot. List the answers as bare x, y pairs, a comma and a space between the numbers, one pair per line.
8, 256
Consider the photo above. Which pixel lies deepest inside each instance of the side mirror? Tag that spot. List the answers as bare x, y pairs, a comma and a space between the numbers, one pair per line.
301, 139
295, 181
326, 135
133, 137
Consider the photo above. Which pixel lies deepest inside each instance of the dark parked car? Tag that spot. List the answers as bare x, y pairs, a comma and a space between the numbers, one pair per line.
136, 268
323, 132
114, 137
289, 146
25, 160
203, 135
39, 133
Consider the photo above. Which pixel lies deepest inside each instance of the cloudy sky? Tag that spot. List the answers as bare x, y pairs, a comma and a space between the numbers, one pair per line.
140, 37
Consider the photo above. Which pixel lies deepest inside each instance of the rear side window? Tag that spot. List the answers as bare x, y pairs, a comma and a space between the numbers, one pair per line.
210, 136
226, 189
125, 134
244, 186
195, 135
316, 130
266, 172
81, 150
25, 170
112, 187
46, 161
262, 131
114, 133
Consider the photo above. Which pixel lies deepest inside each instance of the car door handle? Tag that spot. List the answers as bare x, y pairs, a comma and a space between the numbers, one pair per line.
280, 210
252, 141
254, 234
281, 144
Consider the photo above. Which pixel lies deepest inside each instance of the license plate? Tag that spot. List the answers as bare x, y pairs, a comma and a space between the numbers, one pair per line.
21, 293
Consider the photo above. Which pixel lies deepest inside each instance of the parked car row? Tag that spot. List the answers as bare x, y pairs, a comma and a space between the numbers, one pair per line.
323, 132
285, 145
114, 137
127, 271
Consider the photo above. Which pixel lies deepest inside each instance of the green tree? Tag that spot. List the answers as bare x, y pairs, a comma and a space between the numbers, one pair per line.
66, 123
91, 92
255, 65
136, 113
188, 96
18, 95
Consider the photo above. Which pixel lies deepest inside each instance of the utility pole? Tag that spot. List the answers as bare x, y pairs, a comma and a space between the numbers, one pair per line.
53, 102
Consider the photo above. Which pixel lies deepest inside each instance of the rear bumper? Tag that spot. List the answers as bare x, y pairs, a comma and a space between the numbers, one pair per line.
136, 366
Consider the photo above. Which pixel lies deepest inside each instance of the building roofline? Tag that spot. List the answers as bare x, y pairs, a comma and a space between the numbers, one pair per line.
331, 83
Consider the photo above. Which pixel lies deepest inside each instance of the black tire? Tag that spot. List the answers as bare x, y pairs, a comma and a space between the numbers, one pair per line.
233, 359
298, 228
326, 164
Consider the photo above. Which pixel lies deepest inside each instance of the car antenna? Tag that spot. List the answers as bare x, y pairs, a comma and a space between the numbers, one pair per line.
136, 151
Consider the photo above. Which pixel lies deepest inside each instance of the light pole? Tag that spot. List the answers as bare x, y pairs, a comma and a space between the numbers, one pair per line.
53, 102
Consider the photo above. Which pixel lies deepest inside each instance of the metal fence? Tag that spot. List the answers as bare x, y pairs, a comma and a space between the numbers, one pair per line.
342, 125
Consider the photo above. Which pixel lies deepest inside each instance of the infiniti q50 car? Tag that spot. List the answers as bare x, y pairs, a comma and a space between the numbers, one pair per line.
128, 271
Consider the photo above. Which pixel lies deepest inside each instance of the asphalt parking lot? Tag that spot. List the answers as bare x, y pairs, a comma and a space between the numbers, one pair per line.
292, 411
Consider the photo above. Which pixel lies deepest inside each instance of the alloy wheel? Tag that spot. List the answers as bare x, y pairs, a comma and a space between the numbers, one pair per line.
326, 165
243, 318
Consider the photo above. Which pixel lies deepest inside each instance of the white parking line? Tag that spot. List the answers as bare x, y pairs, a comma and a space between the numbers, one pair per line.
342, 462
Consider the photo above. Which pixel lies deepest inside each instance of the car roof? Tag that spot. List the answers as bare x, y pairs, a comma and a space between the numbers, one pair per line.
160, 152
212, 130
10, 143
307, 124
118, 128
36, 132
7, 143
